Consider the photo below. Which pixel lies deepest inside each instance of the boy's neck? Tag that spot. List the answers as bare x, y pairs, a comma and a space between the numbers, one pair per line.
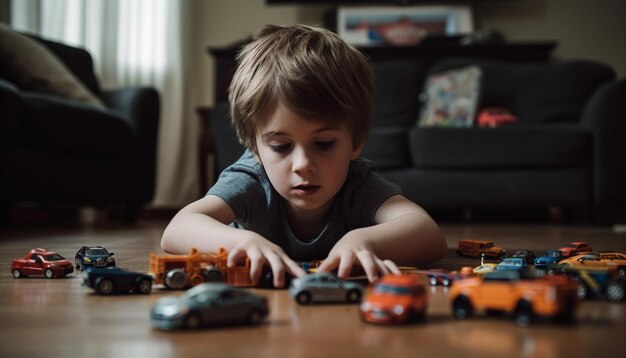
306, 225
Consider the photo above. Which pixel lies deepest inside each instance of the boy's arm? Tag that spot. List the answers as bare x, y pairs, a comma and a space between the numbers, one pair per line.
203, 224
404, 234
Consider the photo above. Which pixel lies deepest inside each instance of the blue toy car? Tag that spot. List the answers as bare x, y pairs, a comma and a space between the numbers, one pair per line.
549, 257
113, 279
93, 256
512, 263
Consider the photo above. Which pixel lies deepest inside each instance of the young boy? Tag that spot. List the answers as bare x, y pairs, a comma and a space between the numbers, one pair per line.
300, 103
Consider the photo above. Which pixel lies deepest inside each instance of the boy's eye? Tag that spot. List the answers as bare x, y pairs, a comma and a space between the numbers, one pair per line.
280, 148
325, 145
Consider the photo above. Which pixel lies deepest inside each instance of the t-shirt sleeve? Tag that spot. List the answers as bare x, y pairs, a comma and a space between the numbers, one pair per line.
370, 190
240, 188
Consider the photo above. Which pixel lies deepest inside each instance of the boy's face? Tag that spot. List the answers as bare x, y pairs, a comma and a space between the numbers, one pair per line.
306, 161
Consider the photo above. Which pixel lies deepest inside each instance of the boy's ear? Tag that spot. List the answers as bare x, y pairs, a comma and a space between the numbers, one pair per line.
357, 151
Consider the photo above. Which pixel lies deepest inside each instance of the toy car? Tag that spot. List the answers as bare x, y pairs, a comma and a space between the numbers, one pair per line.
445, 278
209, 304
39, 262
478, 248
575, 248
395, 299
617, 259
610, 260
324, 287
93, 256
549, 257
595, 282
113, 279
510, 292
512, 263
527, 255
495, 117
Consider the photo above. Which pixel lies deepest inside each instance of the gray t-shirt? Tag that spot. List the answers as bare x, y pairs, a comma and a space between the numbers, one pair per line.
245, 187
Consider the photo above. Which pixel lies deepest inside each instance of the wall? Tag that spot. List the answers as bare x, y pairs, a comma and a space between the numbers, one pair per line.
584, 29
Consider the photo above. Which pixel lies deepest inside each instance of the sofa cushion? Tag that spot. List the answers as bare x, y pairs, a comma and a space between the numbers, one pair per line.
536, 93
397, 87
34, 67
547, 146
60, 125
387, 147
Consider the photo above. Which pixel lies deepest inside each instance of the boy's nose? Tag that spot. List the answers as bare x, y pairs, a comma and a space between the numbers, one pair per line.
302, 162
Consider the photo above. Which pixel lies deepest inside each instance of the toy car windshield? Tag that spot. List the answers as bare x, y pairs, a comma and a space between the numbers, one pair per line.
394, 290
97, 252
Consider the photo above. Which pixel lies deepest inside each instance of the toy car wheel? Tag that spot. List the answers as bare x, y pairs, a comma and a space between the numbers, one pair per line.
461, 308
193, 321
176, 279
104, 286
621, 271
303, 298
614, 291
523, 314
212, 275
78, 264
459, 253
353, 296
144, 286
48, 273
582, 292
17, 273
433, 281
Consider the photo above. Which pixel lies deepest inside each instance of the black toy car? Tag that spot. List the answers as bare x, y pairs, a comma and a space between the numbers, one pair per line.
113, 279
93, 256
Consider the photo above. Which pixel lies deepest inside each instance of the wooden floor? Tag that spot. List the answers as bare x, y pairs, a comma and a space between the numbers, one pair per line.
61, 318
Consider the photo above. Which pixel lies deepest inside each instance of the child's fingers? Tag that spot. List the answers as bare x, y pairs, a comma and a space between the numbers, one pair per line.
278, 269
329, 264
392, 267
345, 265
256, 260
293, 267
367, 260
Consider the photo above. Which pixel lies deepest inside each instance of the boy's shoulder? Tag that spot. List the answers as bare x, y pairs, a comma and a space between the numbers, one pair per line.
361, 167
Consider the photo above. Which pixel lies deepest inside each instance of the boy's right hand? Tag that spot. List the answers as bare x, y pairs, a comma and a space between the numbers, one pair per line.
260, 251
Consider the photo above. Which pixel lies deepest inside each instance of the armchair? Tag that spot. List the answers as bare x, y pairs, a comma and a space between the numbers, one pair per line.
57, 150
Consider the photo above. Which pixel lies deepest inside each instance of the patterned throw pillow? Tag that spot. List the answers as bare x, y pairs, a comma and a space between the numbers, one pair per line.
451, 98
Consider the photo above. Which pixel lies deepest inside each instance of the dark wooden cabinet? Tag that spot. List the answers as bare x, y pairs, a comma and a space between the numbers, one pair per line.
427, 54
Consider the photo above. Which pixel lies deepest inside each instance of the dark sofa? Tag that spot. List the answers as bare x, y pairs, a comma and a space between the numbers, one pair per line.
60, 152
566, 151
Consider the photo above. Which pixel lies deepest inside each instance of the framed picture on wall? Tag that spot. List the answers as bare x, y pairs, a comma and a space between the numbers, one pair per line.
401, 26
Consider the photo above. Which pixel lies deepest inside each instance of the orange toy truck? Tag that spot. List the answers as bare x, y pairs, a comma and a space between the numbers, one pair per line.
507, 291
182, 271
476, 248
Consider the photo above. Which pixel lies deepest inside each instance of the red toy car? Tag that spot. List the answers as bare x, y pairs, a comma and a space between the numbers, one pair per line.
39, 262
575, 248
495, 117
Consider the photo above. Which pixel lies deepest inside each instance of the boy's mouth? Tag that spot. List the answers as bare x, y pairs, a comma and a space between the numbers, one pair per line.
306, 189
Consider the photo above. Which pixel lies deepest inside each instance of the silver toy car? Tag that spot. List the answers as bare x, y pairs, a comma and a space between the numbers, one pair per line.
209, 304
324, 287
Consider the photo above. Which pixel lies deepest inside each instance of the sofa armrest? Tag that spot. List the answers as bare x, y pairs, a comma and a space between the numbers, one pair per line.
605, 116
141, 105
11, 105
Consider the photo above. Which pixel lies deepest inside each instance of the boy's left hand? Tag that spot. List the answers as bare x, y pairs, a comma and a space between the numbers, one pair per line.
351, 248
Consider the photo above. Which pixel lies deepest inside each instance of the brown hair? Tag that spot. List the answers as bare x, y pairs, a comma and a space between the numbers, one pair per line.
308, 69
